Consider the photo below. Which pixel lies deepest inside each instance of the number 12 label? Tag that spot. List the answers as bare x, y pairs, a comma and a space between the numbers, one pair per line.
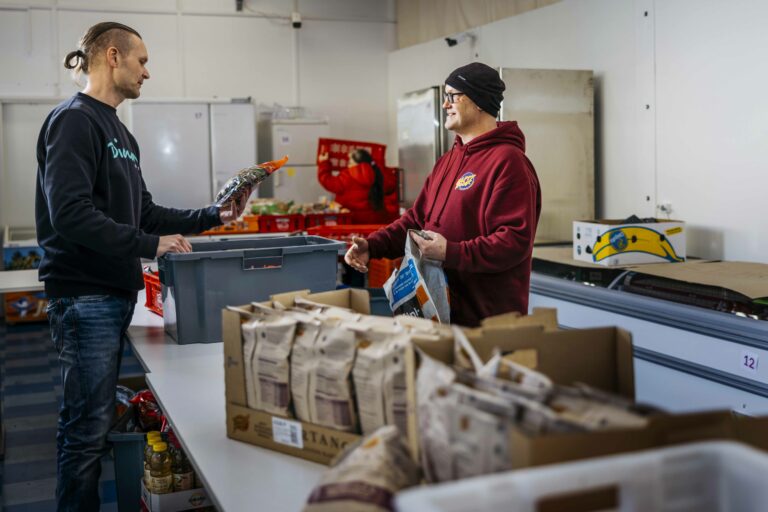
749, 361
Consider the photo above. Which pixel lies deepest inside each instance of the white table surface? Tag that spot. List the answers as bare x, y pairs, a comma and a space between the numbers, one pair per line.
19, 281
188, 382
157, 352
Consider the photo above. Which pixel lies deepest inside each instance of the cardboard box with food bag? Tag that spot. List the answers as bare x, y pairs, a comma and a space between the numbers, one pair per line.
280, 433
301, 429
600, 358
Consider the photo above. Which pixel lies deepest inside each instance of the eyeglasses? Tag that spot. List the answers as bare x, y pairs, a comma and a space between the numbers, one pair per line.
450, 97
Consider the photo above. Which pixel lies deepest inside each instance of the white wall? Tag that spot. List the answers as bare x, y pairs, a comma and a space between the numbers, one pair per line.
335, 65
680, 104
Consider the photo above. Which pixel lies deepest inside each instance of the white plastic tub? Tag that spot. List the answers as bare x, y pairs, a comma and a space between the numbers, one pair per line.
700, 477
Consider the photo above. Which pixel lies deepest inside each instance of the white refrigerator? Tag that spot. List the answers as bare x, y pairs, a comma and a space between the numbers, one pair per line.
189, 149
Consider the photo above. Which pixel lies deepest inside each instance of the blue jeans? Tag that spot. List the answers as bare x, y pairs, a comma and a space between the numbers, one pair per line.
88, 333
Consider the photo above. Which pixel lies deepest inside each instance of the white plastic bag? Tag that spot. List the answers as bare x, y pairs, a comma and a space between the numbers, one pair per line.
419, 287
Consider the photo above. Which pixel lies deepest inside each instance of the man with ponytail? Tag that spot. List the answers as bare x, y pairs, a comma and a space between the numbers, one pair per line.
95, 220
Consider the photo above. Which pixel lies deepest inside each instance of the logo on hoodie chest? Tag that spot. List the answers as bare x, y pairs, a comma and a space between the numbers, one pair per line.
465, 181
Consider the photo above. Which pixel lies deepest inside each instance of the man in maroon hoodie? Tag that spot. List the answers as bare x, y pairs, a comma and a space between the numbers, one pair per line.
480, 205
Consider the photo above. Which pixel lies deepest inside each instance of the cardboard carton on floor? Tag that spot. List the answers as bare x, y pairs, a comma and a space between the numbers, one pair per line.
297, 438
174, 501
611, 242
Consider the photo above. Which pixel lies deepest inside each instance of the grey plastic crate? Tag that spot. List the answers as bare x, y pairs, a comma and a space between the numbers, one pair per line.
198, 285
379, 302
128, 449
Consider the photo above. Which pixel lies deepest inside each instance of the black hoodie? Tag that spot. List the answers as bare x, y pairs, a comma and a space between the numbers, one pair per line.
95, 217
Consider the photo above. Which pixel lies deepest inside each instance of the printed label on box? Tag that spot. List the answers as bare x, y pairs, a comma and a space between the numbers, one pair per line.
287, 432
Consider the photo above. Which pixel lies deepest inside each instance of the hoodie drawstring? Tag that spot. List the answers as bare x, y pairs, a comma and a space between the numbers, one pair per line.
446, 168
451, 183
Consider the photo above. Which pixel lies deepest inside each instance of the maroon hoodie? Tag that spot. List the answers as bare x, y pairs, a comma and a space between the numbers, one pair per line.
484, 198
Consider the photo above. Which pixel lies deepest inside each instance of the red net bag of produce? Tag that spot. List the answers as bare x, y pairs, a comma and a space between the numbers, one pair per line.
150, 415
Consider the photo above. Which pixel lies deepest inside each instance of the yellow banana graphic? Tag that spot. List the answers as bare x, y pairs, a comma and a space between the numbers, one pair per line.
632, 239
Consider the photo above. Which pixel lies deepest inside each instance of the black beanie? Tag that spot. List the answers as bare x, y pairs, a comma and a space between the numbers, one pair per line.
481, 83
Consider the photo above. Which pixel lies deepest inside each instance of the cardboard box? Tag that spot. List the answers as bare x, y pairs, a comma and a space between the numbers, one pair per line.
300, 439
290, 436
25, 307
662, 430
545, 317
611, 242
599, 357
174, 501
322, 444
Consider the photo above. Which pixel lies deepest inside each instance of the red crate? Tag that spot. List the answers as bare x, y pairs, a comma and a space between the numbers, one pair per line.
326, 219
154, 291
281, 223
344, 232
380, 269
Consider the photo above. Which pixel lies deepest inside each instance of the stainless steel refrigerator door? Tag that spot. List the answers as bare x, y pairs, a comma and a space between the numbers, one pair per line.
297, 180
555, 111
419, 135
175, 152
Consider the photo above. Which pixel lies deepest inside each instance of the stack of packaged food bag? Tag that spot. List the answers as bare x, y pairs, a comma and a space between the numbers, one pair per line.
345, 370
328, 365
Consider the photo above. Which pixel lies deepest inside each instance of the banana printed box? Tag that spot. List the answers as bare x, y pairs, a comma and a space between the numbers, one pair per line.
615, 243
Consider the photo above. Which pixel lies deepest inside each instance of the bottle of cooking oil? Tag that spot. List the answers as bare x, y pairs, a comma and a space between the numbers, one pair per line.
152, 438
160, 476
183, 475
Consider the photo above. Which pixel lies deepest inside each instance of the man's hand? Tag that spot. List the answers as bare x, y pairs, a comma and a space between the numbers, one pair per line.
358, 256
433, 249
173, 243
322, 157
233, 209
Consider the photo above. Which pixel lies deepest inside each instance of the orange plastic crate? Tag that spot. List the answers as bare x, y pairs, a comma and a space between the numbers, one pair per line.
154, 292
247, 224
281, 223
326, 219
380, 269
23, 306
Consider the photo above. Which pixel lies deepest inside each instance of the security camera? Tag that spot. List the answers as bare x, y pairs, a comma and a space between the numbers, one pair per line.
460, 38
296, 20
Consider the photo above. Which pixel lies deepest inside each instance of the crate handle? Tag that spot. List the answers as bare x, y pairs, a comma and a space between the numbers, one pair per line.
262, 262
586, 500
164, 273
